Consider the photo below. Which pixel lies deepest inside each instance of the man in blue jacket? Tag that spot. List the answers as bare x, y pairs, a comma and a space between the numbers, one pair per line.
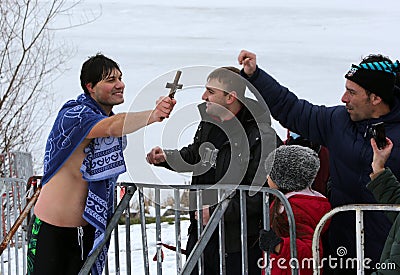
370, 96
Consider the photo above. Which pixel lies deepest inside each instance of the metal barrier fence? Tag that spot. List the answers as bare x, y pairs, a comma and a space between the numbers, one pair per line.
16, 197
12, 203
13, 261
15, 170
217, 218
16, 165
359, 224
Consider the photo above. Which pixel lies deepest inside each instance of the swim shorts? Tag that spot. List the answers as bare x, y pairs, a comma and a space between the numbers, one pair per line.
58, 250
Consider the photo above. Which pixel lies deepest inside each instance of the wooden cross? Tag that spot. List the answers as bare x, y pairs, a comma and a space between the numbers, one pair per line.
174, 85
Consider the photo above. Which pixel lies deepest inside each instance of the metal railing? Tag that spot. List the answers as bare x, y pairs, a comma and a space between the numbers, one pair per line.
15, 254
16, 165
13, 236
217, 218
15, 170
359, 224
16, 197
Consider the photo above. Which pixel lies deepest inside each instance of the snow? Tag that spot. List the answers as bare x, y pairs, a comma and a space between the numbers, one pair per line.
167, 237
307, 45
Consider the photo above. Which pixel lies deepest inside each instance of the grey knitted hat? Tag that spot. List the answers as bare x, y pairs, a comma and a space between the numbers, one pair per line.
292, 167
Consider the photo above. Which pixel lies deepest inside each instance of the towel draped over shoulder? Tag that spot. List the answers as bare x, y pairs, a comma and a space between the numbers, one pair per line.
103, 163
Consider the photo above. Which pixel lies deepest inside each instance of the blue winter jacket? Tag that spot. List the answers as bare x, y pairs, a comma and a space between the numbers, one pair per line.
350, 157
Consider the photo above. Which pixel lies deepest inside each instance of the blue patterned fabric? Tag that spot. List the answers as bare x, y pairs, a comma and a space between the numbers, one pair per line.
103, 163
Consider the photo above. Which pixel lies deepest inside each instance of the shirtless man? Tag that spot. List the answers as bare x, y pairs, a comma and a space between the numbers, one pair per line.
81, 127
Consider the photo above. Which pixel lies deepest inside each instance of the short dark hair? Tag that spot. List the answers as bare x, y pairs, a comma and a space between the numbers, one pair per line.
95, 69
230, 76
375, 58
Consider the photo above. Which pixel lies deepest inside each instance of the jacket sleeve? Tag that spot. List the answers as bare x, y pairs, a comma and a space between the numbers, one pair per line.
386, 189
311, 121
183, 160
390, 264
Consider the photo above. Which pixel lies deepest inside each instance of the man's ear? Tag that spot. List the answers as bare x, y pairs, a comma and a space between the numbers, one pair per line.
231, 97
375, 99
89, 87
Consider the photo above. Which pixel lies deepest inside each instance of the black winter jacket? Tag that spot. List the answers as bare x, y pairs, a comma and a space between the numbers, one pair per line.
234, 165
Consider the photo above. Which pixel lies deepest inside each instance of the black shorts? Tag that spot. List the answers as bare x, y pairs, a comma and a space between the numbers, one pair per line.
58, 250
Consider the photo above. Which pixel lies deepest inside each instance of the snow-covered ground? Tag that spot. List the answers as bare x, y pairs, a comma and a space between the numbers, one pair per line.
167, 237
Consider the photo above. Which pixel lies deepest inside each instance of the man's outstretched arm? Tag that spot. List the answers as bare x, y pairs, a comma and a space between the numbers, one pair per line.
126, 123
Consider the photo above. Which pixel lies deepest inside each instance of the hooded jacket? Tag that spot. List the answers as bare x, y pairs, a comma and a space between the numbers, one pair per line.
350, 157
308, 211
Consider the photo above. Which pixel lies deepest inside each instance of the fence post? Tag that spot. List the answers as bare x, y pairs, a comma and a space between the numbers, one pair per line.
178, 231
243, 227
144, 234
128, 239
222, 263
110, 227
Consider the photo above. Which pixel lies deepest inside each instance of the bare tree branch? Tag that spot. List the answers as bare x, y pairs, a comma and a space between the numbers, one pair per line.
29, 63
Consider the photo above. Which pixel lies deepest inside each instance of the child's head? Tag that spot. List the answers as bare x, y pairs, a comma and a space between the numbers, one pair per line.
291, 168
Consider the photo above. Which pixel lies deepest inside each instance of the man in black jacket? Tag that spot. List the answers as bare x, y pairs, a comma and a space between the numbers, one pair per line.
234, 134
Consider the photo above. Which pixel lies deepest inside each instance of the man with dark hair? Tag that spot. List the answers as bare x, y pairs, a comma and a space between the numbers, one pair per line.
234, 134
371, 96
83, 159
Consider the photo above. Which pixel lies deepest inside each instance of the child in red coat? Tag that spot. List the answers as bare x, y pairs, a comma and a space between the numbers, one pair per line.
292, 170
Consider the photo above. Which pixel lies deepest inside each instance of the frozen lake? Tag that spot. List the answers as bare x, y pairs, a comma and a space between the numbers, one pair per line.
307, 45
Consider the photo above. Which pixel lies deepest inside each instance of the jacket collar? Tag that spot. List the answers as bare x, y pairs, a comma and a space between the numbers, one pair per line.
251, 111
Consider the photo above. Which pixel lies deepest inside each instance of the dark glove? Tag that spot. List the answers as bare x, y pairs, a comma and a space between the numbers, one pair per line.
269, 240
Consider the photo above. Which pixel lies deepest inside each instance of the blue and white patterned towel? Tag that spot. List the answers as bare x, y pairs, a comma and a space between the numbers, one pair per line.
103, 163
